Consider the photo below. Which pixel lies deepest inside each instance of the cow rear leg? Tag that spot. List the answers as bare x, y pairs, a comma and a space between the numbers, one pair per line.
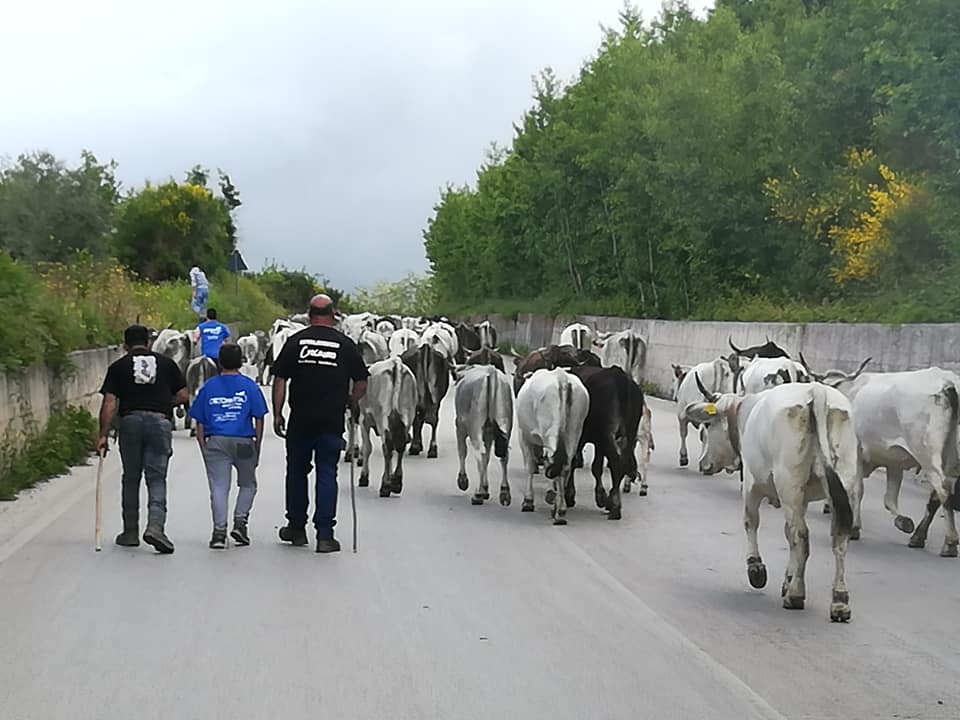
416, 442
483, 489
756, 570
432, 452
530, 463
463, 482
367, 449
559, 511
396, 477
840, 602
596, 469
950, 542
891, 500
684, 459
613, 499
505, 498
798, 536
919, 537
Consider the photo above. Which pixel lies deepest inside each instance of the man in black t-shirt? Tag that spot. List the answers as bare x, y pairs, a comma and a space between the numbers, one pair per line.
143, 386
319, 361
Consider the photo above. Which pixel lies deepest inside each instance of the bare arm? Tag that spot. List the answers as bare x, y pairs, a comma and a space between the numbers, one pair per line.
108, 408
279, 398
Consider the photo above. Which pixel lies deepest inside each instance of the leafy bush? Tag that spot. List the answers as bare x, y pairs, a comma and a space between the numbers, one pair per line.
67, 440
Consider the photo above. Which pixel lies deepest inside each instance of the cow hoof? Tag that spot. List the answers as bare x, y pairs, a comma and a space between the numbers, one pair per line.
484, 494
570, 500
917, 541
364, 481
462, 481
626, 488
855, 534
359, 462
613, 514
384, 492
414, 450
826, 509
949, 550
600, 495
476, 500
839, 612
756, 573
550, 497
536, 470
561, 520
527, 506
396, 486
505, 498
642, 492
684, 462
904, 524
792, 603
193, 432
432, 453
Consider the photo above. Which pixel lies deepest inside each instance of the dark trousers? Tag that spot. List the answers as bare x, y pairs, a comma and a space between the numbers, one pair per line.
304, 450
145, 450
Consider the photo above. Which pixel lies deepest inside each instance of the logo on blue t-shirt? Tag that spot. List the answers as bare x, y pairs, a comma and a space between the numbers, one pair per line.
227, 405
212, 335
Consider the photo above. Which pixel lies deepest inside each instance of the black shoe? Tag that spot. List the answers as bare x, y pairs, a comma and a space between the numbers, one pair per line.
296, 536
219, 539
329, 545
239, 533
156, 537
129, 538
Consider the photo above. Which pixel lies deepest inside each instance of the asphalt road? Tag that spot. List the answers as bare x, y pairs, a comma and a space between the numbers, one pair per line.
455, 611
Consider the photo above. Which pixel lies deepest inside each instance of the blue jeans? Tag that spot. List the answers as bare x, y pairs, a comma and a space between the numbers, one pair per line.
199, 303
145, 449
303, 451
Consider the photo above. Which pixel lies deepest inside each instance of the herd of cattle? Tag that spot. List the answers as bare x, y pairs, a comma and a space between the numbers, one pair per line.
794, 435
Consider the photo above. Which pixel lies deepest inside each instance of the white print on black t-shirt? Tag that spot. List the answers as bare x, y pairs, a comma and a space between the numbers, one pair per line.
313, 352
144, 369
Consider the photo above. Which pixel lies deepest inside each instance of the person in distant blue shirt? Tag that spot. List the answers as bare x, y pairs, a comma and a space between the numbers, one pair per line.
229, 410
212, 335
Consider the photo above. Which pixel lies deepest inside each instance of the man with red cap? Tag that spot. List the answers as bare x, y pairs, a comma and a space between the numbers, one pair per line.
319, 362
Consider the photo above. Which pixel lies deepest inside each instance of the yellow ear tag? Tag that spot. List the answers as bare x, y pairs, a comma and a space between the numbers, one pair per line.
710, 409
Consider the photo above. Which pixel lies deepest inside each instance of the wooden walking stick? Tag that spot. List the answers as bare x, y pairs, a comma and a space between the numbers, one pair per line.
353, 492
98, 532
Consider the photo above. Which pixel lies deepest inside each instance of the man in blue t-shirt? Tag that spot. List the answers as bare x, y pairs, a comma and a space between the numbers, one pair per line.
212, 334
229, 410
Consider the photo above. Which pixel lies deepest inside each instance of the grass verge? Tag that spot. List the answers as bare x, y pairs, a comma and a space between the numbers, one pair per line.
66, 441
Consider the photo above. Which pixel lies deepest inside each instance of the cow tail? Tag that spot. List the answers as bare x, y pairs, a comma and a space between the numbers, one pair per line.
829, 448
491, 393
395, 425
951, 461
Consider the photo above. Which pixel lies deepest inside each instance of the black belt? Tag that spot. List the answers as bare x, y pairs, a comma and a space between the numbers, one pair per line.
147, 412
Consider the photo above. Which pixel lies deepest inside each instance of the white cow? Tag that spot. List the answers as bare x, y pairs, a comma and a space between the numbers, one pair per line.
551, 408
716, 376
385, 328
280, 332
387, 408
484, 403
796, 443
578, 335
488, 335
250, 346
626, 350
372, 346
176, 345
762, 374
645, 446
908, 420
402, 340
443, 338
353, 325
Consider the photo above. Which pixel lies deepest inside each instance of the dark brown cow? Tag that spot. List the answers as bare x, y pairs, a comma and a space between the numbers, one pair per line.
548, 358
616, 408
486, 356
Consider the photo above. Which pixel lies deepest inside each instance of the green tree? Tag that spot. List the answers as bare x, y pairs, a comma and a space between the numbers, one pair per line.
48, 210
163, 230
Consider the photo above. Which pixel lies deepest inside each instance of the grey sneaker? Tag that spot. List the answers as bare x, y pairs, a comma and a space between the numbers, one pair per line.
239, 533
329, 545
219, 539
155, 536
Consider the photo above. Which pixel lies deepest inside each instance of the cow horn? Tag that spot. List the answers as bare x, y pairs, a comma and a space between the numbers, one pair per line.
707, 395
860, 369
806, 366
737, 350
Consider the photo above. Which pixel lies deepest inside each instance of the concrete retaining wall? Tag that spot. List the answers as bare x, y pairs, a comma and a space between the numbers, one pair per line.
824, 345
29, 397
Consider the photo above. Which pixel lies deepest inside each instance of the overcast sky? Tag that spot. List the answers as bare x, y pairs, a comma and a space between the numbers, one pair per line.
339, 122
